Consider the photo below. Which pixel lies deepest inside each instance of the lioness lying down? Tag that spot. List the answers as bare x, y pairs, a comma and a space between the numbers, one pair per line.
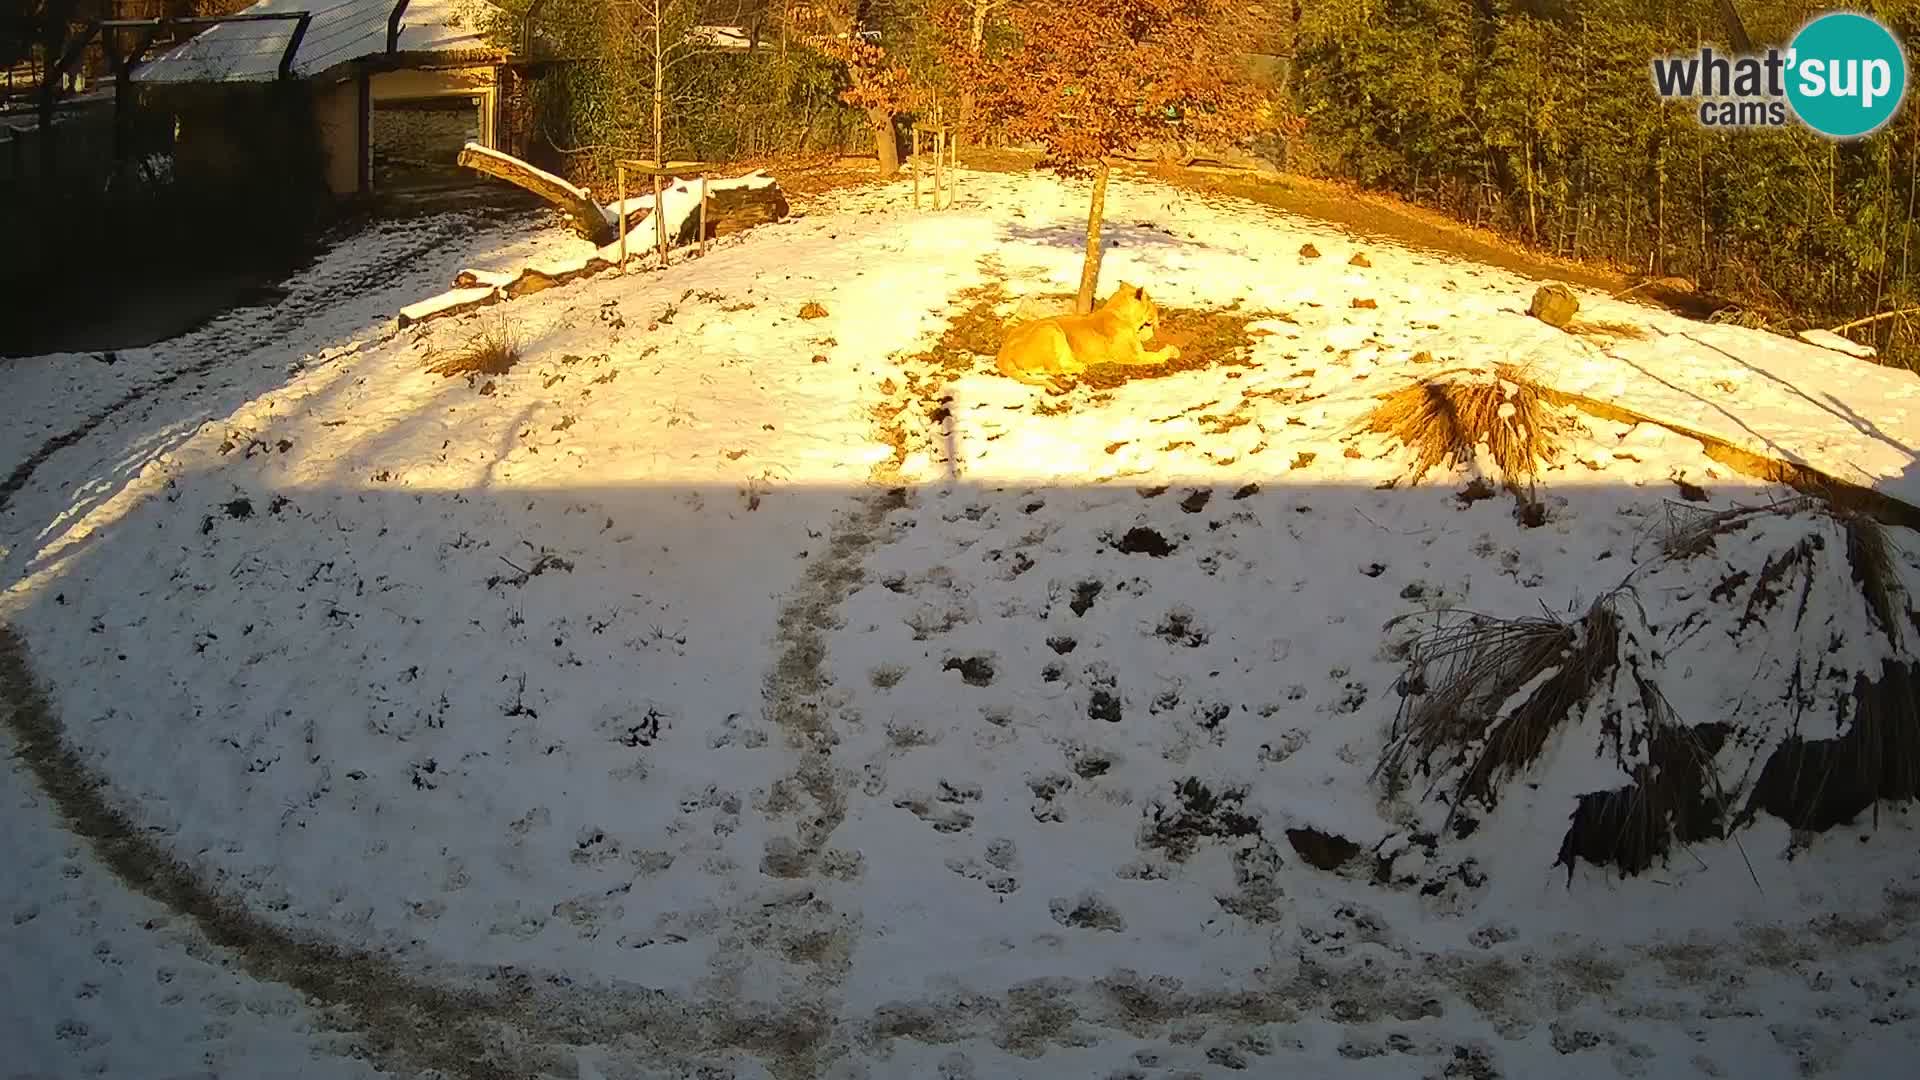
1048, 352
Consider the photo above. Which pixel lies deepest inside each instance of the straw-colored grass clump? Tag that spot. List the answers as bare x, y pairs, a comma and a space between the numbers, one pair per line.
1445, 418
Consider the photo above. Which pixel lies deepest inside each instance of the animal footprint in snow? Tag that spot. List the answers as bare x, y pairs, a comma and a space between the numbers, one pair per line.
1352, 696
1088, 764
593, 847
536, 818
1089, 911
943, 819
1287, 744
1103, 703
1047, 789
1180, 627
520, 927
586, 913
976, 670
958, 793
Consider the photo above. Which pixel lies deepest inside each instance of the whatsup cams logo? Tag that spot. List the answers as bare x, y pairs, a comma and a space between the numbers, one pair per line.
1844, 76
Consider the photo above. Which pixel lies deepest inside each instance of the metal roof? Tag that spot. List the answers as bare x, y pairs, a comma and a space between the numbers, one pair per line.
339, 31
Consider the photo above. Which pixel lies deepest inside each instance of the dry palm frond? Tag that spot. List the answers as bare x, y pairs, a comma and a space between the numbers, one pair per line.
492, 350
1504, 686
1442, 419
1871, 555
1691, 531
1675, 795
1495, 691
1816, 784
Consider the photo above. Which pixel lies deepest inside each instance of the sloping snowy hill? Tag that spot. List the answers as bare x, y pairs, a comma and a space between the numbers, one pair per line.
746, 684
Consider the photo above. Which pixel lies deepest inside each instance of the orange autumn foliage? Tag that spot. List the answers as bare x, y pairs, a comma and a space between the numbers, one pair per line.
1097, 77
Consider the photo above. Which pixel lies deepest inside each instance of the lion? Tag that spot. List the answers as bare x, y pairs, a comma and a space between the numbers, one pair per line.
1048, 352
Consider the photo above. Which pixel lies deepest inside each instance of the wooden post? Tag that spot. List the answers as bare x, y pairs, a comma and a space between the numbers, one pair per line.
703, 213
939, 165
953, 179
620, 173
915, 159
659, 221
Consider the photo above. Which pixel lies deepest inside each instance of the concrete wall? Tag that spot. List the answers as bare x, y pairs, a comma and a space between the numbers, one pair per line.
336, 121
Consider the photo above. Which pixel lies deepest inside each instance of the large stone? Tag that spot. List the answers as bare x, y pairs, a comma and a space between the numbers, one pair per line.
1554, 305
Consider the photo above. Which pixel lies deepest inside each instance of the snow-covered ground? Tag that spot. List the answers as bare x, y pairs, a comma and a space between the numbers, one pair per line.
792, 695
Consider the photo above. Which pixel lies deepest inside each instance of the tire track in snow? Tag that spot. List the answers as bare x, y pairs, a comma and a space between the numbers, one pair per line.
236, 335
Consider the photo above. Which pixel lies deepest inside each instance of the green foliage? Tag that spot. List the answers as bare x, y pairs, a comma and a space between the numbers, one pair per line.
594, 101
1538, 117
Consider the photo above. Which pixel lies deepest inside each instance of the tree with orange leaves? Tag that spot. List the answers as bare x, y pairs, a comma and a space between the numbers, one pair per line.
880, 88
1094, 78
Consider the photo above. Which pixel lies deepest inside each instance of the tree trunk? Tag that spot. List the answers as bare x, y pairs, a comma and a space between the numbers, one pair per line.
975, 42
1090, 270
591, 221
659, 150
885, 143
1660, 203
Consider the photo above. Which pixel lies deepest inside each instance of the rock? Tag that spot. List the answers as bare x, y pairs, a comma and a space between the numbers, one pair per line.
1308, 251
1554, 305
1365, 304
813, 311
1359, 259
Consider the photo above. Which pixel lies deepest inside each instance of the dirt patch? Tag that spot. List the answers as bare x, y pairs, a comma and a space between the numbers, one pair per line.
972, 334
1084, 594
1207, 339
1322, 850
1380, 217
1141, 540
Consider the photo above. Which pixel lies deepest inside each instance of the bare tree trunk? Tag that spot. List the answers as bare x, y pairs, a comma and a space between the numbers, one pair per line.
1090, 270
659, 149
1533, 212
975, 41
885, 143
1660, 202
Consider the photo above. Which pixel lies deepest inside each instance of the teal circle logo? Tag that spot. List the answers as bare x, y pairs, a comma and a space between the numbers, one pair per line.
1846, 75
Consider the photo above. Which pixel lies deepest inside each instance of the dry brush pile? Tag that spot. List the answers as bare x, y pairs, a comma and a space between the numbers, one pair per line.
1785, 632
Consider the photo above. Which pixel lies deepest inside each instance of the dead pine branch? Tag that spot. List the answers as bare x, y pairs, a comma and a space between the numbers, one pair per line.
1870, 319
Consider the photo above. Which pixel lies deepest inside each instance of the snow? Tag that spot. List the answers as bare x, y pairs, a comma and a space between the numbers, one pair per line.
340, 31
765, 663
1827, 339
450, 301
119, 985
1759, 392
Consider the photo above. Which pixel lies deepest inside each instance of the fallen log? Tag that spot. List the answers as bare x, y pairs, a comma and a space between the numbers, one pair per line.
737, 209
733, 205
589, 219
